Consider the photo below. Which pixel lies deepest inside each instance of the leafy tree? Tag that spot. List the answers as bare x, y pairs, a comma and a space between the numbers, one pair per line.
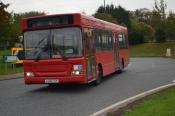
170, 26
136, 34
105, 17
123, 16
159, 20
148, 32
140, 32
30, 14
118, 13
10, 25
143, 15
16, 25
143, 25
160, 7
160, 34
155, 19
5, 20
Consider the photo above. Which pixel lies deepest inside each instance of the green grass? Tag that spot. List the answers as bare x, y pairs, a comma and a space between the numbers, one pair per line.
4, 52
152, 49
10, 70
160, 104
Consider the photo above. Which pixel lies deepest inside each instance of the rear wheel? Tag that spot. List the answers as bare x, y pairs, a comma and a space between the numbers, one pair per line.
121, 66
100, 76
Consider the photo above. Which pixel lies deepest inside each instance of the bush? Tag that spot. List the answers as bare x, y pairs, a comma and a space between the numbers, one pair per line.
160, 35
136, 38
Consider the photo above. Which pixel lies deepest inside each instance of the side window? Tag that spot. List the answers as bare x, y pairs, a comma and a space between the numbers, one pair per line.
123, 42
120, 39
98, 40
103, 40
86, 43
93, 42
110, 45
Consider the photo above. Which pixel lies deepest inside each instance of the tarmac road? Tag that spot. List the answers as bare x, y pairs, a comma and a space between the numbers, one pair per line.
17, 99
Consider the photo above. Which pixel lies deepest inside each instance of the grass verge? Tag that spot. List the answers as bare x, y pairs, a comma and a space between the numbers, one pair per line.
152, 49
160, 104
10, 70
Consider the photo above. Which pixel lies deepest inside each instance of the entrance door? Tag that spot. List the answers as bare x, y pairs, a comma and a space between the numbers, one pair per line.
116, 51
90, 54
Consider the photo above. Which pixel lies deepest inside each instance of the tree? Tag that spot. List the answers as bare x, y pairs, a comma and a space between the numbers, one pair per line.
16, 25
135, 35
105, 17
123, 16
143, 15
159, 20
118, 13
160, 7
148, 32
5, 17
5, 20
170, 26
160, 34
155, 19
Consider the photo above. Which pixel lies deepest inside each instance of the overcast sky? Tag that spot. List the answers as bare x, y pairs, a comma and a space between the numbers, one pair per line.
72, 6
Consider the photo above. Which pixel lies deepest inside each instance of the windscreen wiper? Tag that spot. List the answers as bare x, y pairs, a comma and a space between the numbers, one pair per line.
38, 55
44, 49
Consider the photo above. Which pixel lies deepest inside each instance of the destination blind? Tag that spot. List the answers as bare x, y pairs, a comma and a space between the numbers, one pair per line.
50, 21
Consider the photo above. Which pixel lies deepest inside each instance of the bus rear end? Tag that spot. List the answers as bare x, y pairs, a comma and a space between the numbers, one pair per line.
53, 50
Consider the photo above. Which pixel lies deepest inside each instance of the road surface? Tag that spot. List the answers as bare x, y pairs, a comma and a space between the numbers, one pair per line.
17, 99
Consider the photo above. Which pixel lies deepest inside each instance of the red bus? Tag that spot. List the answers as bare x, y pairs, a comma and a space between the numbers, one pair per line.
72, 48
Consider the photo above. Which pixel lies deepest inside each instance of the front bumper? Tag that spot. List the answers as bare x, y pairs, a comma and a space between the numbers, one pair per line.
41, 80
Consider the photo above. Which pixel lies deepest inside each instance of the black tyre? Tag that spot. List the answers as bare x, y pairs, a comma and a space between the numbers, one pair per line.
52, 85
121, 66
100, 76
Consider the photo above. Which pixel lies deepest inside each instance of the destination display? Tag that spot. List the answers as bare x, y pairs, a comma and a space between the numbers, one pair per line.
50, 21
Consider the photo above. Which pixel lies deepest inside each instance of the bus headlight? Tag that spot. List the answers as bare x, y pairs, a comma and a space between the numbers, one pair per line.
77, 69
76, 72
29, 74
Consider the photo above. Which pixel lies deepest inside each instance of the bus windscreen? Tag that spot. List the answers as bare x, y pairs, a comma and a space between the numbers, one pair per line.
53, 43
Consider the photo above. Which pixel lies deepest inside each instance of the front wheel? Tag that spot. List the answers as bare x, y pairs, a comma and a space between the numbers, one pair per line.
52, 85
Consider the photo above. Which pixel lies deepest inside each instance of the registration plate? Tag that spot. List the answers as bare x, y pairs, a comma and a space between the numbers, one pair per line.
51, 81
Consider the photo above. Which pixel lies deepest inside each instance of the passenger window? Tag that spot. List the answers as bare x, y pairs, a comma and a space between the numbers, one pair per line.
103, 40
123, 43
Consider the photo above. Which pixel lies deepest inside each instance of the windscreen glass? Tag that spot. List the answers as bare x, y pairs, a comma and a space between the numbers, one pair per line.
67, 42
53, 43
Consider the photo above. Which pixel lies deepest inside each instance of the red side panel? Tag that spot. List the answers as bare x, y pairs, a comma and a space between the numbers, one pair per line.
107, 61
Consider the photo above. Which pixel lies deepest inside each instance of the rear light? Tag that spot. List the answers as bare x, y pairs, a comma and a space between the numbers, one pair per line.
29, 74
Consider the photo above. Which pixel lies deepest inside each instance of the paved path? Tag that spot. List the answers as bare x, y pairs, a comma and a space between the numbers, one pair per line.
11, 76
17, 99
